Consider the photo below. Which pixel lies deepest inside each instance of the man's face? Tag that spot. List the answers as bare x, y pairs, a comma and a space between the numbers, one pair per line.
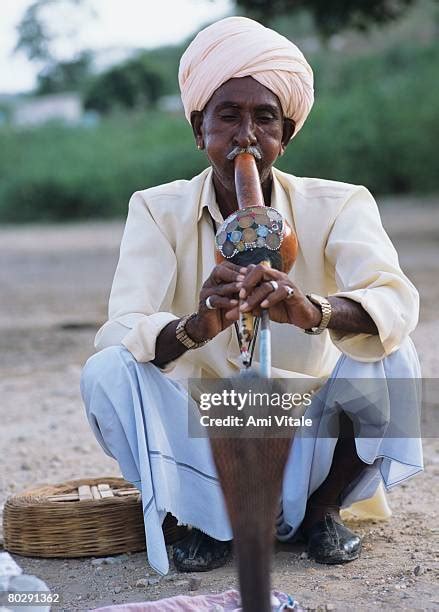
242, 113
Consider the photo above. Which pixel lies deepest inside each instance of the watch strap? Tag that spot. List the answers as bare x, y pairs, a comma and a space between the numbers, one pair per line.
183, 337
326, 309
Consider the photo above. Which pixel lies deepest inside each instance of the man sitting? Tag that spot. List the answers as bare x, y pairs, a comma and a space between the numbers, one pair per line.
172, 310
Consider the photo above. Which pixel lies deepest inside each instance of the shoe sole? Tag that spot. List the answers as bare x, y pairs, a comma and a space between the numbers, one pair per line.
337, 560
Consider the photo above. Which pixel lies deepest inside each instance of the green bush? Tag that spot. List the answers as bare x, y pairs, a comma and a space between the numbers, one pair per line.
57, 173
133, 84
375, 122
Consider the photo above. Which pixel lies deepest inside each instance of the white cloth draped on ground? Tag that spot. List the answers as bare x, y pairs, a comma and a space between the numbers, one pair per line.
229, 601
139, 416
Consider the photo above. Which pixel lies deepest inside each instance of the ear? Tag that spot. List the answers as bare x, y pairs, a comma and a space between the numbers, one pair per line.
197, 128
287, 133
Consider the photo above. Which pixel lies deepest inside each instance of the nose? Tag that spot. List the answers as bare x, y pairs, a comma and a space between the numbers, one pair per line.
245, 135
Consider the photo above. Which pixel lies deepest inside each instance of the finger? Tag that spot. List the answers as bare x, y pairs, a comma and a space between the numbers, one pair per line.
224, 290
227, 262
232, 314
232, 266
255, 298
226, 272
219, 302
228, 289
273, 298
255, 275
277, 296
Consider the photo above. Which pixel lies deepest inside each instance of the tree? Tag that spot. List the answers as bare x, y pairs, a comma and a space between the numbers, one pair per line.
36, 39
133, 84
65, 76
34, 36
331, 16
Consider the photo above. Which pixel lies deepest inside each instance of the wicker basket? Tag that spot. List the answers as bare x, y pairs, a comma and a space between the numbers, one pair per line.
79, 518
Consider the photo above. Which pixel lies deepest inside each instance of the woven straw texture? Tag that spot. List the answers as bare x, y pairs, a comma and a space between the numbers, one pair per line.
79, 518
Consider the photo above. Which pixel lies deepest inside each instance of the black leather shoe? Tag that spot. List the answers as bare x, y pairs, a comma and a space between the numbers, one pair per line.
199, 552
331, 542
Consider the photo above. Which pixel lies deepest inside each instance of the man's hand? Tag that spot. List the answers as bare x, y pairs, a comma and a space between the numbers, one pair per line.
222, 286
258, 293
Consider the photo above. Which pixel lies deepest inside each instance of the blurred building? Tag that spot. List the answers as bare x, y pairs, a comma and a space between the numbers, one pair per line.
64, 107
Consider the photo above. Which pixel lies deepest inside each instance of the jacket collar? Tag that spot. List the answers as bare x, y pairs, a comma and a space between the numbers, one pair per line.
279, 197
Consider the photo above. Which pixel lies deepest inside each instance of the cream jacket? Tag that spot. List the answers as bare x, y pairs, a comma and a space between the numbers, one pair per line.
168, 251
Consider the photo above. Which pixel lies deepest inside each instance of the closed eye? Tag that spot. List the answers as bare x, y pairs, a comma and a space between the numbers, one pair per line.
229, 117
265, 118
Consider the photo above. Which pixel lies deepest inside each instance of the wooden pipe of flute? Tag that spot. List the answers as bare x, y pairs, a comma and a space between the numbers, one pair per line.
247, 182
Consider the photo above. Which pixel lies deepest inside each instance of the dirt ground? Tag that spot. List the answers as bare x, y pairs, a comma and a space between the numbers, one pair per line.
54, 284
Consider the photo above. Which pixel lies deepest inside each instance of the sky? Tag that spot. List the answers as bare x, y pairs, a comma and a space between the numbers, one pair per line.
115, 24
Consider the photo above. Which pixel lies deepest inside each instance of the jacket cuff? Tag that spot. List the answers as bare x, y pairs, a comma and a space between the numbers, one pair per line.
141, 340
391, 324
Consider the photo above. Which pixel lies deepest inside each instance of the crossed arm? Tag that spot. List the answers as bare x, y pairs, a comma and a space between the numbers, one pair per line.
228, 283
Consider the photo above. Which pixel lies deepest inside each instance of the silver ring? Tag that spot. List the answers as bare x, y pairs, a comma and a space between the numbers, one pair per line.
208, 303
290, 292
274, 284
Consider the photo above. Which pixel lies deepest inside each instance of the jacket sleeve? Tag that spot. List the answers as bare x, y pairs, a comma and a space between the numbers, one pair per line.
143, 286
366, 270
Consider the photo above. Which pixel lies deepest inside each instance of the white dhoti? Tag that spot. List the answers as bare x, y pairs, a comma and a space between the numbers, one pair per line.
139, 417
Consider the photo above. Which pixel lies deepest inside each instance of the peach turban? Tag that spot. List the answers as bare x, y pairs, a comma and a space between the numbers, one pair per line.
237, 47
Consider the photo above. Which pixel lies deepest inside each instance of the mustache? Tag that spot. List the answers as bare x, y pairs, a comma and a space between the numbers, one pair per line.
255, 151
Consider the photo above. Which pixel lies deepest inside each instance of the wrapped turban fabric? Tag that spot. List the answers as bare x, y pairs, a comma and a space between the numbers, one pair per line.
237, 47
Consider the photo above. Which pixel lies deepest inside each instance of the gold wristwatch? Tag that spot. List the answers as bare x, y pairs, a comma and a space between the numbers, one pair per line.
182, 336
326, 309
